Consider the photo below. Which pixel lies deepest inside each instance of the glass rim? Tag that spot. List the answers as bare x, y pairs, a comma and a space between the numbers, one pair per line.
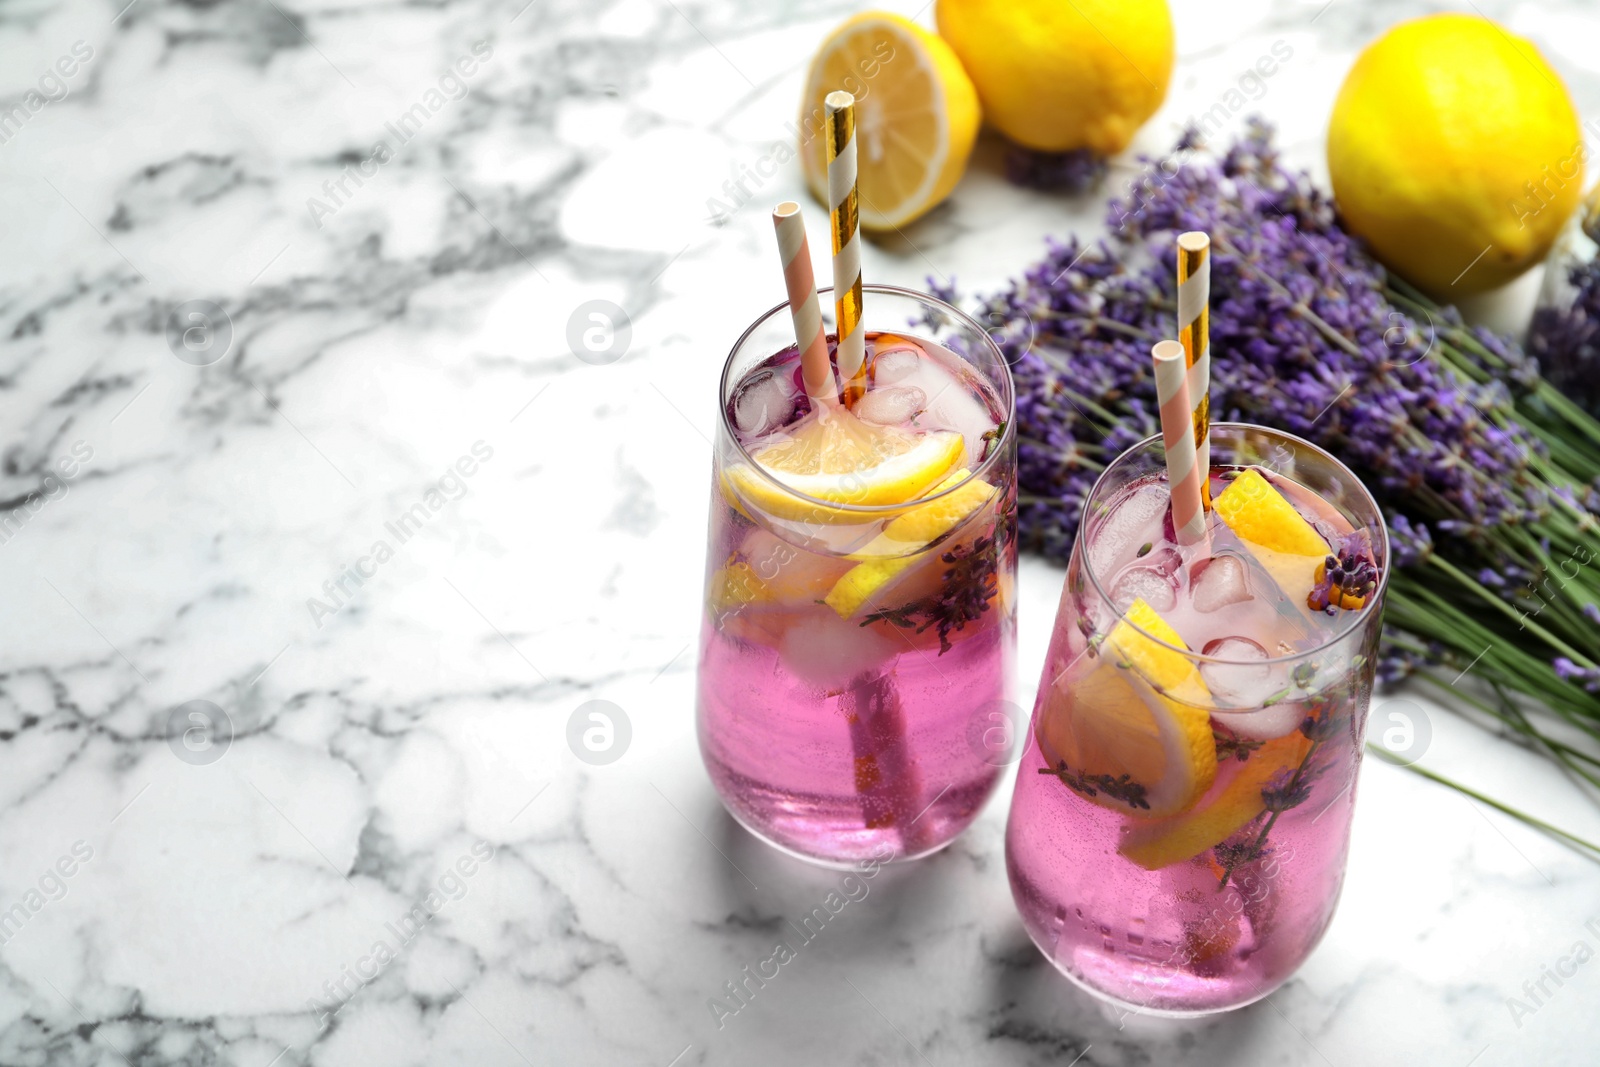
1361, 617
870, 512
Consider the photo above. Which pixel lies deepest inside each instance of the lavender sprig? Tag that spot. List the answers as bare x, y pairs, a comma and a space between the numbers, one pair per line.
1566, 339
1077, 171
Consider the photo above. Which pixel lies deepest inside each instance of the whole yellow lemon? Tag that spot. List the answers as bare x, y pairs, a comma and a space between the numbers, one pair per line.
1055, 75
1454, 151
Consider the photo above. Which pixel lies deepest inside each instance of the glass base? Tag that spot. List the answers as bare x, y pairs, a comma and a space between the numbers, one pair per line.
1128, 1007
837, 863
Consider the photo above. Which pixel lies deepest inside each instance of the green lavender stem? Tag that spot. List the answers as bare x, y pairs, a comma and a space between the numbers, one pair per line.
1555, 749
1470, 583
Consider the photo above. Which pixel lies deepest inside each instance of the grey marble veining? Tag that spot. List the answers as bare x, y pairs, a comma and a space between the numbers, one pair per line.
287, 661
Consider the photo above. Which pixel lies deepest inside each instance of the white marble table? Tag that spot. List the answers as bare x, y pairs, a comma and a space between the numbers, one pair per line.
296, 874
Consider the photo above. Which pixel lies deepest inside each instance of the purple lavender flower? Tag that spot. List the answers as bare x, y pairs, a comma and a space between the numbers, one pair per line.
1588, 677
1347, 577
1077, 171
1396, 664
1412, 545
1298, 336
1566, 339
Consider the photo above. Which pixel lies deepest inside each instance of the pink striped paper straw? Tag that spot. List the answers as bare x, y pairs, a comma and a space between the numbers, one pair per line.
804, 308
844, 224
1177, 434
1194, 333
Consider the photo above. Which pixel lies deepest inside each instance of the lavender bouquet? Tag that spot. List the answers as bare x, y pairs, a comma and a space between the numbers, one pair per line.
1489, 475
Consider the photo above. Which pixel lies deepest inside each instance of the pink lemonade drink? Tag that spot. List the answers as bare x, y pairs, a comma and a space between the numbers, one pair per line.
859, 624
1178, 833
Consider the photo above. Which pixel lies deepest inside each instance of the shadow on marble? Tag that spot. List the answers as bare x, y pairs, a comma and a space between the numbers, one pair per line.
1027, 1010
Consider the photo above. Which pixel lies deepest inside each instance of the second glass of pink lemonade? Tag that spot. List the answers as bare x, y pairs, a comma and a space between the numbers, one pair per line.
859, 622
1178, 833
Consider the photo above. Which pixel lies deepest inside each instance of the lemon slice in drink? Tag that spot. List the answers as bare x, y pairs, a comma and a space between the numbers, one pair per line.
766, 586
869, 582
1281, 540
1163, 842
741, 604
1123, 729
746, 583
835, 457
1259, 514
736, 586
916, 116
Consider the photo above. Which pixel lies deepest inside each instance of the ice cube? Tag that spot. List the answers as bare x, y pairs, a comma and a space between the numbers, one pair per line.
1218, 582
1130, 524
1263, 724
830, 653
892, 405
1145, 583
1238, 649
895, 364
764, 402
1245, 679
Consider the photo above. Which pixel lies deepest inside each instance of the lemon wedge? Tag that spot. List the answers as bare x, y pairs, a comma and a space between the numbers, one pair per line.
766, 586
736, 586
835, 457
916, 116
1126, 724
1281, 540
891, 554
741, 604
1161, 843
1258, 513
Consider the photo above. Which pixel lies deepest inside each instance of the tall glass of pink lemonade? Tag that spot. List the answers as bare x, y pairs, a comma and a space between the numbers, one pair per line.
1177, 837
859, 620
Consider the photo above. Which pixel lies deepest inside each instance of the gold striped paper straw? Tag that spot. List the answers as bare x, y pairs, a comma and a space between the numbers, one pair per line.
844, 225
804, 308
1183, 469
1194, 331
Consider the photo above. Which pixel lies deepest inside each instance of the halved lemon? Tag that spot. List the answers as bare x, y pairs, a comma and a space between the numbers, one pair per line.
835, 457
888, 556
916, 116
1288, 547
1161, 843
1129, 723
